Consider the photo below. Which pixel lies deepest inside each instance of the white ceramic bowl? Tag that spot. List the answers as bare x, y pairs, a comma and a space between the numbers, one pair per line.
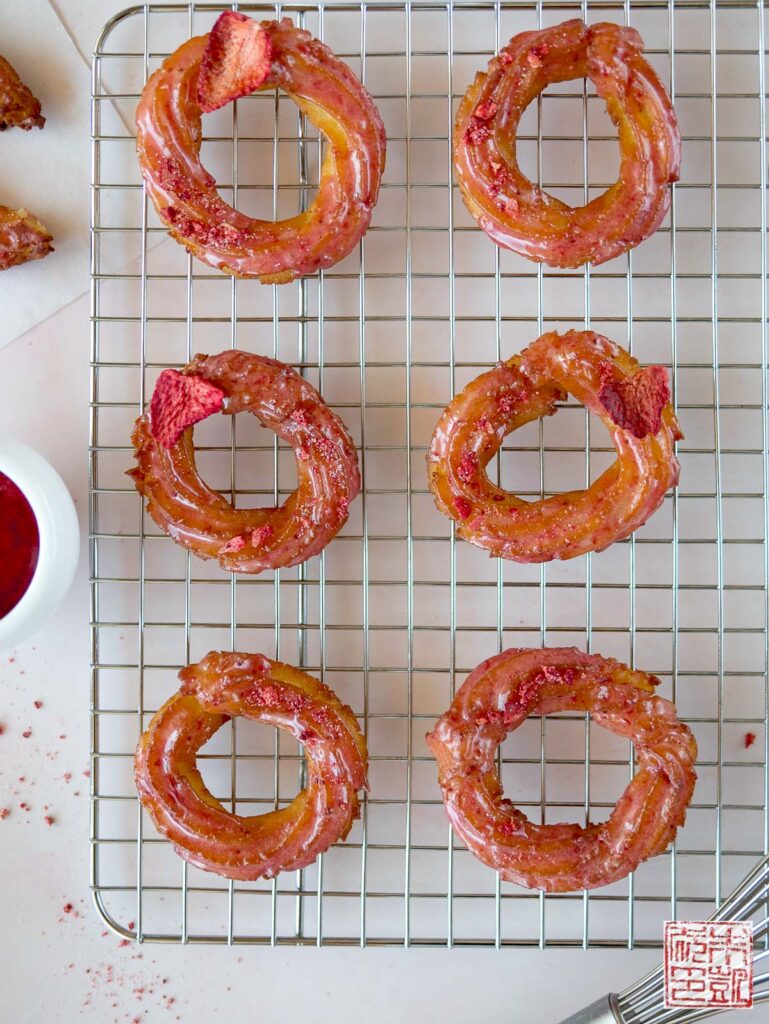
59, 533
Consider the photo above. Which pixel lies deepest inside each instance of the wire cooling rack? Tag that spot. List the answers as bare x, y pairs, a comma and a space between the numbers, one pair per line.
395, 612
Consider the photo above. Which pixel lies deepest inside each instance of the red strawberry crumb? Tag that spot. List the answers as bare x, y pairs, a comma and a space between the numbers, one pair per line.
750, 739
123, 943
477, 131
635, 403
27, 733
25, 806
131, 925
236, 61
38, 704
68, 908
232, 545
467, 467
261, 535
4, 813
507, 405
535, 55
505, 58
485, 111
67, 776
48, 820
326, 447
179, 401
462, 507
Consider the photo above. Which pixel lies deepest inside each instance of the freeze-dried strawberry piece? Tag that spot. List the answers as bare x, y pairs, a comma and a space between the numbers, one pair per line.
236, 61
462, 507
486, 111
635, 403
179, 401
261, 535
233, 544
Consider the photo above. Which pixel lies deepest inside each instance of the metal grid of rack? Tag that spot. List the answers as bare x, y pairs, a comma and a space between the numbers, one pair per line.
395, 611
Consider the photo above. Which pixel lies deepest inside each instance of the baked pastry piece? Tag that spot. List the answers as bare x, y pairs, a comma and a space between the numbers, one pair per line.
22, 238
18, 107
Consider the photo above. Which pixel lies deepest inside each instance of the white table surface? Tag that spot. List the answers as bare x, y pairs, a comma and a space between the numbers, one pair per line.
64, 966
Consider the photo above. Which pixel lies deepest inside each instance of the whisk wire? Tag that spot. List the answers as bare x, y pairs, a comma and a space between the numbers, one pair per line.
643, 1001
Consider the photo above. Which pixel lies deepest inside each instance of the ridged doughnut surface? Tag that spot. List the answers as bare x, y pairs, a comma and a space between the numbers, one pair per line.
169, 132
515, 212
200, 519
495, 699
203, 831
633, 404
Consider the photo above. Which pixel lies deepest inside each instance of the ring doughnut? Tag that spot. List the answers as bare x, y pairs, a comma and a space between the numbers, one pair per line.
513, 211
240, 56
495, 699
204, 833
199, 518
633, 404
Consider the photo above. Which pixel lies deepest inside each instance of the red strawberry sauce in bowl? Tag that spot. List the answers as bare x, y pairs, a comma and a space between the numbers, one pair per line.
19, 545
39, 541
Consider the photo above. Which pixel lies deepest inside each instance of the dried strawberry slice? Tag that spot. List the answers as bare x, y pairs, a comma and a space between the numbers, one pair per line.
635, 403
179, 401
236, 61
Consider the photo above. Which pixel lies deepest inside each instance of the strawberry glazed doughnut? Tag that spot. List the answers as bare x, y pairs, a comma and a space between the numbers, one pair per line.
634, 405
495, 699
240, 56
518, 215
203, 832
199, 518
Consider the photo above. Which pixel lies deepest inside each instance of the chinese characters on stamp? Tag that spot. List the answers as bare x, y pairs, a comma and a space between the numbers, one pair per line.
709, 963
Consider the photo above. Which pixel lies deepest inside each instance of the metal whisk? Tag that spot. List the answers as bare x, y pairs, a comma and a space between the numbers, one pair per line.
643, 1002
